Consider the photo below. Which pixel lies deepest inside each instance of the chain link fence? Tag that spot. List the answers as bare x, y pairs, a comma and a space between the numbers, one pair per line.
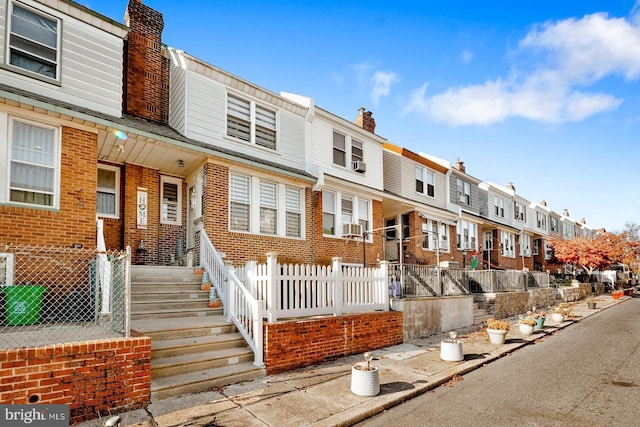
53, 295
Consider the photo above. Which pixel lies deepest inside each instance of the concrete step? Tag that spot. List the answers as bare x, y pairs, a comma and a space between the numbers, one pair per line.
198, 344
184, 363
193, 382
169, 313
185, 327
177, 304
168, 295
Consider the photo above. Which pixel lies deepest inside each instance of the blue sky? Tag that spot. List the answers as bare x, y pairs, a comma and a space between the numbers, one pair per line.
544, 94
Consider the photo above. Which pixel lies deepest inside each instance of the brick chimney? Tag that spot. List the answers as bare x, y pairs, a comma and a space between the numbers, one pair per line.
459, 165
365, 121
147, 72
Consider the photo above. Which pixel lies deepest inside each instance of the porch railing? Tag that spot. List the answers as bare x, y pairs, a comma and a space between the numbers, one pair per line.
240, 307
293, 290
55, 295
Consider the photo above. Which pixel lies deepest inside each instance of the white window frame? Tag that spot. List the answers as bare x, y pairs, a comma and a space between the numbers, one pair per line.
357, 145
268, 208
507, 244
115, 192
6, 146
257, 117
254, 205
519, 211
467, 234
536, 247
463, 192
293, 210
440, 230
342, 214
525, 245
541, 220
428, 180
57, 49
553, 225
178, 182
499, 206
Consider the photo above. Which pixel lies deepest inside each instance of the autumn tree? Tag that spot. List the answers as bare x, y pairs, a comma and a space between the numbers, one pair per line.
631, 245
589, 253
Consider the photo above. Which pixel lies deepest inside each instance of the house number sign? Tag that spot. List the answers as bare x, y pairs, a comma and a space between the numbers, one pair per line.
142, 209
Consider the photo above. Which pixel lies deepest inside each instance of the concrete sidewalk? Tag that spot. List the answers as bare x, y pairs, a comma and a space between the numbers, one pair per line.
321, 395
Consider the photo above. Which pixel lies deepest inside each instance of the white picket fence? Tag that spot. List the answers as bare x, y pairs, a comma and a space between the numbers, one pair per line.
294, 290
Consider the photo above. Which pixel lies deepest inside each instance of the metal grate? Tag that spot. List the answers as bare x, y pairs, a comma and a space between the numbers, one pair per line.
52, 295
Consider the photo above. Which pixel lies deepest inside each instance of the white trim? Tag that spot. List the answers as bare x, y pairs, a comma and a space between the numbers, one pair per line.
117, 192
178, 182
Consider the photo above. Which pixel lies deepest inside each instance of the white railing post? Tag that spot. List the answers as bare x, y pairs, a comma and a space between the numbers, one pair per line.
250, 284
258, 335
230, 304
273, 287
384, 279
338, 285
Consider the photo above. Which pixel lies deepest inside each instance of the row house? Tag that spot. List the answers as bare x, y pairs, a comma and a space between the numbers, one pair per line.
415, 206
163, 146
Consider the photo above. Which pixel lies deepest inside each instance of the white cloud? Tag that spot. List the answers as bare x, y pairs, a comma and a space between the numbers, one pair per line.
466, 56
576, 53
382, 82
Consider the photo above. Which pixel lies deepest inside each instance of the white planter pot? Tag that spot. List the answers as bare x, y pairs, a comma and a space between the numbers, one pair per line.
557, 317
525, 329
365, 383
451, 351
497, 336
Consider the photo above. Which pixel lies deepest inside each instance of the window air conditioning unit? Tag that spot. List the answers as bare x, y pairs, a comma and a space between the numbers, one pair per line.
468, 246
462, 199
359, 166
351, 230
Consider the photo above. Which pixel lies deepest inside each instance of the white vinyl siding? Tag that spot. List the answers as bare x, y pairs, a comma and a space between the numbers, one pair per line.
463, 192
108, 191
32, 166
250, 122
425, 182
264, 207
171, 196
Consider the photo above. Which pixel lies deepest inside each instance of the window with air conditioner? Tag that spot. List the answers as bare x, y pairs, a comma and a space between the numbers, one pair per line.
463, 191
339, 210
467, 233
435, 235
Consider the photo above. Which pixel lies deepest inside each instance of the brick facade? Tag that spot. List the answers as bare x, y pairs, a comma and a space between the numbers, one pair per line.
88, 376
294, 344
74, 222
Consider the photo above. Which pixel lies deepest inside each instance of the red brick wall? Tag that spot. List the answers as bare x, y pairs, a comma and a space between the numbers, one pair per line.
294, 344
75, 221
88, 376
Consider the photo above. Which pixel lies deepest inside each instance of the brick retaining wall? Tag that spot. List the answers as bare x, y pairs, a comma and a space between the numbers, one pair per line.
88, 376
298, 343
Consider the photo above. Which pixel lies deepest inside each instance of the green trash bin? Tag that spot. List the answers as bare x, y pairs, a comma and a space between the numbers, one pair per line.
23, 304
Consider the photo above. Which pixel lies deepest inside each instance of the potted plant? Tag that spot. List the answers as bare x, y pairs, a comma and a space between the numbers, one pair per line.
365, 378
591, 305
527, 324
539, 318
560, 312
497, 331
451, 349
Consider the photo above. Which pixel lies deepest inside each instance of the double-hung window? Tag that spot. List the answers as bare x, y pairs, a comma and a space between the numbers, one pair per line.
425, 182
356, 150
467, 235
463, 191
171, 196
541, 220
351, 210
519, 212
435, 235
553, 225
34, 42
339, 149
265, 207
508, 243
33, 164
525, 245
268, 208
251, 122
108, 192
499, 206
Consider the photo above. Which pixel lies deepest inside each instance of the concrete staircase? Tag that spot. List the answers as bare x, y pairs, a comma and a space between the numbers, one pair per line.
483, 309
193, 347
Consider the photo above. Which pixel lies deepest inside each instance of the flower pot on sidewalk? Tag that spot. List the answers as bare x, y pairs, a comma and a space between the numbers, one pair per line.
557, 317
365, 381
497, 336
451, 350
591, 305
